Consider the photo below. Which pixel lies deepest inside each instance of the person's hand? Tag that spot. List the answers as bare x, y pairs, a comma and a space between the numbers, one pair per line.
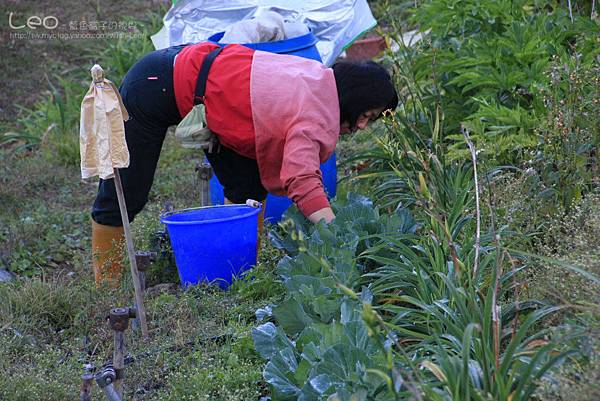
322, 214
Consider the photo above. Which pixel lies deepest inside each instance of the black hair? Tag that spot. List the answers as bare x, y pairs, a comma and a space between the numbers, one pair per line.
363, 86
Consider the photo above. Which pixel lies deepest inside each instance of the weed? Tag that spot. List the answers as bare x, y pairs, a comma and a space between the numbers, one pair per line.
220, 377
563, 166
260, 282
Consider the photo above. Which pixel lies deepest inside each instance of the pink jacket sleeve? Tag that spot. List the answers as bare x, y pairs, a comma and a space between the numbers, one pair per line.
300, 173
295, 111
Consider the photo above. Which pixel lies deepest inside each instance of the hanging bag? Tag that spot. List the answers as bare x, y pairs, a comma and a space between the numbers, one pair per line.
192, 130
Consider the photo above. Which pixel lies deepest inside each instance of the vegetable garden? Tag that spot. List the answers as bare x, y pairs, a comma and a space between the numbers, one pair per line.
463, 263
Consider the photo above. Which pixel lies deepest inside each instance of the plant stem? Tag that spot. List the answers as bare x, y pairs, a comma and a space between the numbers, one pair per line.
496, 287
513, 264
477, 210
570, 10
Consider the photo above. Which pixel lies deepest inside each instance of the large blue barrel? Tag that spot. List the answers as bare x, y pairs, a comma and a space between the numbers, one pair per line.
277, 205
302, 46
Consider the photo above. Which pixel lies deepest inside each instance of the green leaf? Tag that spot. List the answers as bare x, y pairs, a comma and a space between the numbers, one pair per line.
291, 316
269, 339
279, 373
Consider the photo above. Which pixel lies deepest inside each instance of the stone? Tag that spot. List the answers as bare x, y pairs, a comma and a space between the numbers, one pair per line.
6, 276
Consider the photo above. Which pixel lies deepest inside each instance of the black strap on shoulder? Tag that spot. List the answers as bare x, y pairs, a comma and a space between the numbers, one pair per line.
203, 75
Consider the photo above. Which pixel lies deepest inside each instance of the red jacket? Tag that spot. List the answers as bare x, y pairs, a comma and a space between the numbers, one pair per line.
280, 110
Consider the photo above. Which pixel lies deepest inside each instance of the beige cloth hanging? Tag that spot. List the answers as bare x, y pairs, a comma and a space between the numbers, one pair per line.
103, 151
102, 132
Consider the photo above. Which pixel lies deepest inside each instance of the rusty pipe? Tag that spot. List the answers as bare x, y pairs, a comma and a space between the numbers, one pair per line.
205, 173
119, 321
87, 379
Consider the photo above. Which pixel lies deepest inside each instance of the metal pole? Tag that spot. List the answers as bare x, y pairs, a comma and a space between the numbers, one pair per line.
205, 172
110, 393
139, 300
119, 360
86, 384
143, 260
119, 321
105, 379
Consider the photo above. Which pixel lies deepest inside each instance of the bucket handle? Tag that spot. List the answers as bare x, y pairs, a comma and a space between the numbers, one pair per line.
253, 203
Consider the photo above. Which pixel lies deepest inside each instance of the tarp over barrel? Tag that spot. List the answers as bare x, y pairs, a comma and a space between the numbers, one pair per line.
335, 23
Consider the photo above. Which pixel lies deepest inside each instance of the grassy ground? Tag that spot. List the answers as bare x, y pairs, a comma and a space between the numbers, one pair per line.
52, 319
200, 347
571, 238
574, 239
54, 322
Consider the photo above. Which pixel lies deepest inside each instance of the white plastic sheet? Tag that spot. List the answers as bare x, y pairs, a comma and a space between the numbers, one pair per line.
335, 23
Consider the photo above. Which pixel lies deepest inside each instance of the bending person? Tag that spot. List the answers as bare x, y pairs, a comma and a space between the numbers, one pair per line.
276, 117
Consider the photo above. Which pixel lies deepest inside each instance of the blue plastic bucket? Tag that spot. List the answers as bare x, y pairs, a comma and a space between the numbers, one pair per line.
277, 205
302, 46
213, 243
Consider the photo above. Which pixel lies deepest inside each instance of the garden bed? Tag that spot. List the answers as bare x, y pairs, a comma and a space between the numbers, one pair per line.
394, 300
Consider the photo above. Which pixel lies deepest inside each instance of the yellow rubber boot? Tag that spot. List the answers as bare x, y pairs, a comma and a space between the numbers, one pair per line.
108, 245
